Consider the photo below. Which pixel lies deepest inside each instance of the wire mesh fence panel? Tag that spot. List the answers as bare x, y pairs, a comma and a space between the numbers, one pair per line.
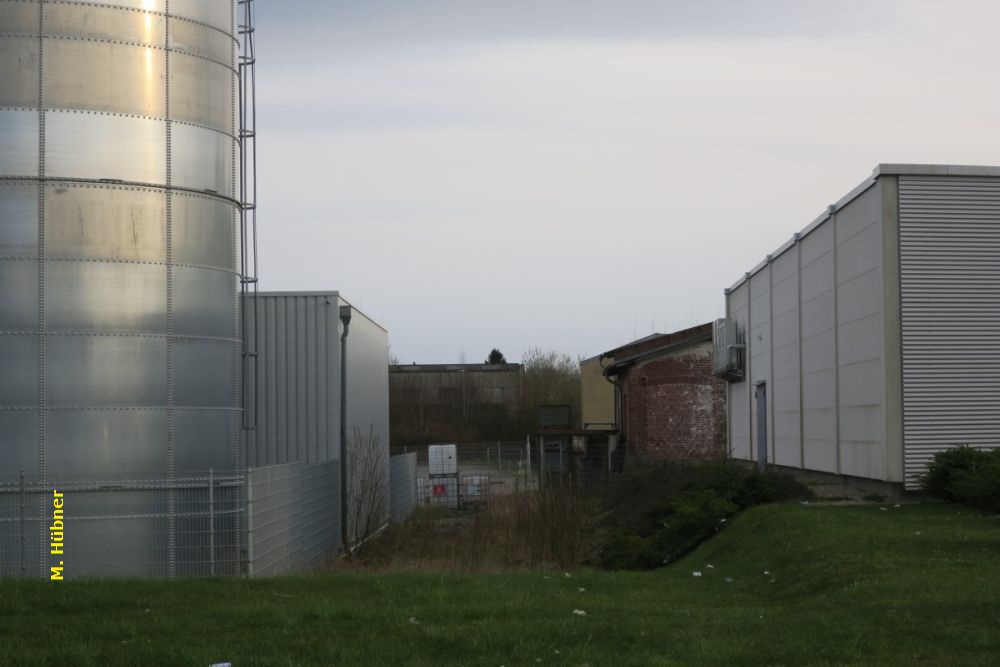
274, 496
319, 519
293, 517
402, 485
148, 526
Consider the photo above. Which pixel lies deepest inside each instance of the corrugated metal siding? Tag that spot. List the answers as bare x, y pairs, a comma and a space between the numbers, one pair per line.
297, 388
298, 380
950, 289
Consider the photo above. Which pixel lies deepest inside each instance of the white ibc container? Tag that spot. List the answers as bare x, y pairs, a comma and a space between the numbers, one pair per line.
442, 460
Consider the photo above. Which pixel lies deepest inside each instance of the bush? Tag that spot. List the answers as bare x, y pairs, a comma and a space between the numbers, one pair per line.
662, 514
965, 475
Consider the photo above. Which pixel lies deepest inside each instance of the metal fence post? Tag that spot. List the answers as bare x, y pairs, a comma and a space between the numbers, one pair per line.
211, 522
24, 535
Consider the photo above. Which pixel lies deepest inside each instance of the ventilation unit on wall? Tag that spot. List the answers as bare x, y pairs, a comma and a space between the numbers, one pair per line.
728, 350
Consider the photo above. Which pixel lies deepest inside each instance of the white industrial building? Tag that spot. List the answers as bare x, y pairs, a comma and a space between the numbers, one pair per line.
871, 340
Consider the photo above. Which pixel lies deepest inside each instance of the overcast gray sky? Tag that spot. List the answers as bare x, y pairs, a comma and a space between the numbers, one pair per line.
572, 174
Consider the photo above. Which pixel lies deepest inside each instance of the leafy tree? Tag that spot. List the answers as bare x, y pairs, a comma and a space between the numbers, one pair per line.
496, 357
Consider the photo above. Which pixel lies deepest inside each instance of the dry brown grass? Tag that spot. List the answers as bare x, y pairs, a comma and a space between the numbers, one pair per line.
541, 530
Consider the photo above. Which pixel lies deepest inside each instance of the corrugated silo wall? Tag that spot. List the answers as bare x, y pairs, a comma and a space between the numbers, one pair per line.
118, 315
813, 322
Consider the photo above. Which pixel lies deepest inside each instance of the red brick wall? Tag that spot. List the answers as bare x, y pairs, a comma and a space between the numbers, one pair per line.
674, 407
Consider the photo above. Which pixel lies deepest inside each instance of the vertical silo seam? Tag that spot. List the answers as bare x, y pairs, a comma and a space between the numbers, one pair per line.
237, 418
42, 411
168, 230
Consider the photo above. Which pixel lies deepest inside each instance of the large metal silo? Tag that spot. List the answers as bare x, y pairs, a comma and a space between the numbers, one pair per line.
119, 333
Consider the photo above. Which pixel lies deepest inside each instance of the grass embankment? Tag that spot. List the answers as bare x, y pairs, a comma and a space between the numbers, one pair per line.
913, 585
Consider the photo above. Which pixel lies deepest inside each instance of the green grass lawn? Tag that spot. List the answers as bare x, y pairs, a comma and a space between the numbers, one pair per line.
783, 585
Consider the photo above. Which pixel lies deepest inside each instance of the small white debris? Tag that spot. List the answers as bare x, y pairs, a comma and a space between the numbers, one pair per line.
413, 621
728, 580
557, 651
897, 505
696, 573
579, 612
918, 533
766, 572
884, 509
711, 567
804, 503
581, 589
567, 575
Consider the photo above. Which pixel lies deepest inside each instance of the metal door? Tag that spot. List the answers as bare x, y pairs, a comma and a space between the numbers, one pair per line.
760, 394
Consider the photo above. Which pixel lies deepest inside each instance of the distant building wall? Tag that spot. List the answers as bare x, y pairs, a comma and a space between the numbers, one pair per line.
446, 402
597, 395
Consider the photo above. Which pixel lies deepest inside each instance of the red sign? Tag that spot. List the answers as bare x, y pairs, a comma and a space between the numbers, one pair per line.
439, 490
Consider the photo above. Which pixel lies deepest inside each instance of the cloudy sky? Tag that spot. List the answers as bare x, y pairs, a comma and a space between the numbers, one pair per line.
572, 174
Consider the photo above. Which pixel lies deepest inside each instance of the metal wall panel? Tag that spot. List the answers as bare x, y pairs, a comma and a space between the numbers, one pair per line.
105, 297
784, 390
18, 295
197, 434
203, 370
147, 5
737, 302
204, 302
19, 16
201, 40
105, 223
298, 379
949, 233
116, 442
18, 70
814, 334
18, 142
18, 219
216, 14
201, 91
202, 159
96, 146
106, 371
96, 22
368, 380
20, 437
20, 371
203, 231
297, 389
104, 76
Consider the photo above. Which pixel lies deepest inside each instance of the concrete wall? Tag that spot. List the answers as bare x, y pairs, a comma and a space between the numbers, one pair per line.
813, 322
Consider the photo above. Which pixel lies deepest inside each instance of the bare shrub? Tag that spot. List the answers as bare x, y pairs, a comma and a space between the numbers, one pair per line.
367, 487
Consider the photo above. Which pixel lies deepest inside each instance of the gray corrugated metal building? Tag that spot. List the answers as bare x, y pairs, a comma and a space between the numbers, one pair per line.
872, 337
296, 409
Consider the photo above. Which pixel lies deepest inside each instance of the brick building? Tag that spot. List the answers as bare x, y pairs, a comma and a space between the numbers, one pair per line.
669, 406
